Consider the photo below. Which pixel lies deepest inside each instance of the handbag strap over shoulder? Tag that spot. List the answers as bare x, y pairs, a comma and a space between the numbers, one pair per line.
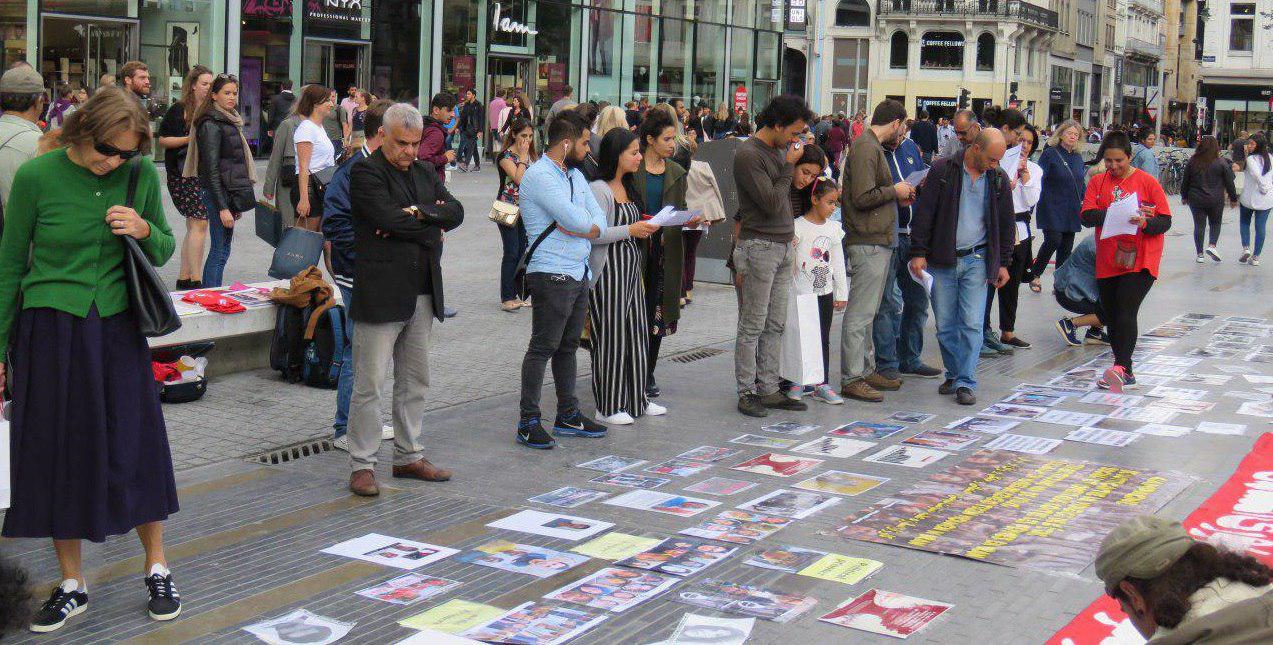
134, 174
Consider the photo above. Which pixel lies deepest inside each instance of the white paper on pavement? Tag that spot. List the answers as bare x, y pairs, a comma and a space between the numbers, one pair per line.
669, 216
433, 637
1102, 436
1118, 217
1011, 159
1213, 427
924, 278
390, 551
300, 626
710, 629
916, 177
1022, 443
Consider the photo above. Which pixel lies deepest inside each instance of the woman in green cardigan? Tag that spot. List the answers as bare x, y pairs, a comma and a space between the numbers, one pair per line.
661, 182
89, 448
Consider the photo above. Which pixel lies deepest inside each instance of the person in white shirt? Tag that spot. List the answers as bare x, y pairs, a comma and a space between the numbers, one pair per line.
1257, 197
819, 268
1027, 186
314, 154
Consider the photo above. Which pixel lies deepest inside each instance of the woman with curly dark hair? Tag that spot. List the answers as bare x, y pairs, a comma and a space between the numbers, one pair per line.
1178, 590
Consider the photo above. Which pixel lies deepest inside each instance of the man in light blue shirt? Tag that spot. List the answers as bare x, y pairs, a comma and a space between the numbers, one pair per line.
970, 231
561, 215
1143, 152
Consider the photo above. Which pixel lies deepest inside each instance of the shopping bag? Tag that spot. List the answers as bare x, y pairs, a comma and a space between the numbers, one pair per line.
269, 223
4, 457
802, 341
297, 250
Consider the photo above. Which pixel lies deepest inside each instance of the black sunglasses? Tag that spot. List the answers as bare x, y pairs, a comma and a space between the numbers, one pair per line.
106, 149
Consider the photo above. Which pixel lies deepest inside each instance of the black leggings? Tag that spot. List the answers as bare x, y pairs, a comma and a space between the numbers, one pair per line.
1018, 273
1202, 215
1059, 242
1121, 296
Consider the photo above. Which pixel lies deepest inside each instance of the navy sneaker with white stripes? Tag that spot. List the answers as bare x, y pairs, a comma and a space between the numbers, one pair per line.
60, 606
165, 602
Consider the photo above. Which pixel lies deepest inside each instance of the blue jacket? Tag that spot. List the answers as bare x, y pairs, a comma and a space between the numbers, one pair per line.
338, 226
1144, 159
902, 161
1077, 277
1064, 182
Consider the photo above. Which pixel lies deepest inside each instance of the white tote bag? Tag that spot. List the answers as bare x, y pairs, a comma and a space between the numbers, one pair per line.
4, 459
802, 341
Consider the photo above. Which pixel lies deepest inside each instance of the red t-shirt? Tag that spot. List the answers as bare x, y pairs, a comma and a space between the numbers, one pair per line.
1105, 189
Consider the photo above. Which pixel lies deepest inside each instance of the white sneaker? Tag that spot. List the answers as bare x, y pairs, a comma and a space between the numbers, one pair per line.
1201, 259
616, 419
1255, 261
386, 433
1245, 257
1214, 253
655, 410
341, 443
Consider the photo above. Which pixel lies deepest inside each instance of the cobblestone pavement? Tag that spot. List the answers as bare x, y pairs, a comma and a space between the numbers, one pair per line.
246, 544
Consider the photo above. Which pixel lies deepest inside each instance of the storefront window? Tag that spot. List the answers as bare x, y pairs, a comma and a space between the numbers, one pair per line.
605, 53
13, 29
744, 13
265, 54
117, 8
941, 50
552, 52
708, 63
80, 50
712, 10
642, 40
459, 44
674, 58
767, 49
174, 38
394, 75
507, 33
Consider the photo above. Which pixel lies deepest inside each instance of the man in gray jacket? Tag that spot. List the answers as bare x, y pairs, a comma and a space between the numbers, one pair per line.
869, 206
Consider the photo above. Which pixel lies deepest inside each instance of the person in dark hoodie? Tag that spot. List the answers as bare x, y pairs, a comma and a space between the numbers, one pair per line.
1207, 179
338, 230
433, 148
221, 158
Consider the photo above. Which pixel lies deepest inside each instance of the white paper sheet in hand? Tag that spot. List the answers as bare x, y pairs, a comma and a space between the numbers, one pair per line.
1011, 159
1023, 232
924, 278
669, 216
1118, 217
916, 177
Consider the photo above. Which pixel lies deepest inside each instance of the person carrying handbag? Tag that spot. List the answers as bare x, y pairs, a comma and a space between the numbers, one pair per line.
315, 156
221, 158
90, 447
518, 153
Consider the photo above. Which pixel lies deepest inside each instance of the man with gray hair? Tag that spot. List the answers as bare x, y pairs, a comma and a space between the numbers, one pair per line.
22, 98
400, 209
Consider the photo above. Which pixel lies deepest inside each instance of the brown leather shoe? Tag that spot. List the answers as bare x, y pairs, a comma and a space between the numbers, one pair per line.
363, 482
422, 470
862, 391
881, 382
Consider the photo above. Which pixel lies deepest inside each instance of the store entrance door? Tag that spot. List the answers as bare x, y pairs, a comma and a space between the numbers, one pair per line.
504, 73
337, 64
80, 49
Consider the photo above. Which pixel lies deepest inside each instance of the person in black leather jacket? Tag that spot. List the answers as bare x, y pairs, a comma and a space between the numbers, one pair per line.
221, 158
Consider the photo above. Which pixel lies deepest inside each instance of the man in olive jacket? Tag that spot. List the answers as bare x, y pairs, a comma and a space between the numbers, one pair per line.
869, 207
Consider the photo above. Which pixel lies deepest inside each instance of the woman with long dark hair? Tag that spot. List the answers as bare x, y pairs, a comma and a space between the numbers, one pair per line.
186, 193
617, 303
1257, 197
90, 456
222, 160
1126, 265
1057, 214
315, 153
517, 153
1207, 179
1026, 191
811, 165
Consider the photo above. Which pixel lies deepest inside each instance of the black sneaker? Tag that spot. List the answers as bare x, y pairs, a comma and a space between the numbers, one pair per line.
947, 387
652, 390
749, 404
530, 432
923, 371
165, 602
575, 424
1096, 336
965, 396
60, 606
780, 401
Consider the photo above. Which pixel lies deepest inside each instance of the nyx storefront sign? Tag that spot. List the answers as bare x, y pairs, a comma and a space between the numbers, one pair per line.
337, 18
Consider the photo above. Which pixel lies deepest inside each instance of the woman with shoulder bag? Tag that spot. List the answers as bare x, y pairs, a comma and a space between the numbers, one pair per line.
518, 153
187, 195
616, 303
222, 160
315, 155
1057, 214
90, 456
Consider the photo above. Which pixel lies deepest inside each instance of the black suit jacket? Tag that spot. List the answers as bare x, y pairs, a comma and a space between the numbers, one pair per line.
392, 266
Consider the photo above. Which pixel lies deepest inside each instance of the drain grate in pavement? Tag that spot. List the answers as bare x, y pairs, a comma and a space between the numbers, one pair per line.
697, 355
293, 452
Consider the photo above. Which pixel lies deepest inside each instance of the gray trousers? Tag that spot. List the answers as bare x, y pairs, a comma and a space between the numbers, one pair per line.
764, 268
869, 265
407, 343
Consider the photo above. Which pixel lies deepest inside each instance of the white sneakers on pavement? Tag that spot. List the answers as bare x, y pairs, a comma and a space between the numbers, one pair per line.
616, 419
655, 410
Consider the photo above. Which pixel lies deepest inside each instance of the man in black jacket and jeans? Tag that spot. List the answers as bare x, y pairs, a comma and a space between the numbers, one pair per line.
962, 232
470, 127
400, 211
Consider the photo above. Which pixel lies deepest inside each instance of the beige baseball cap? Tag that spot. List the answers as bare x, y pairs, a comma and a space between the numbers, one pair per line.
1142, 547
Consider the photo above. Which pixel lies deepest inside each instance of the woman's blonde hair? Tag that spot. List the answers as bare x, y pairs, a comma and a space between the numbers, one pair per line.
722, 111
108, 113
612, 116
1055, 139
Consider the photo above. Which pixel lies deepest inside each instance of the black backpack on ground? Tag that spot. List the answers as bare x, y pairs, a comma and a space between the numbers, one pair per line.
317, 360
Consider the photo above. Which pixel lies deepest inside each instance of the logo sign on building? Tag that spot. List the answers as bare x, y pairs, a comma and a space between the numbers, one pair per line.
797, 15
740, 98
1208, 59
266, 8
508, 25
339, 11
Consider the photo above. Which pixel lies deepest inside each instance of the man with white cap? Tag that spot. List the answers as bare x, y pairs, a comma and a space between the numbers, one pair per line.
1177, 590
22, 99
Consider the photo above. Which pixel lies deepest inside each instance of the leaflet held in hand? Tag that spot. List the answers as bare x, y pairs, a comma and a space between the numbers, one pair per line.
1118, 217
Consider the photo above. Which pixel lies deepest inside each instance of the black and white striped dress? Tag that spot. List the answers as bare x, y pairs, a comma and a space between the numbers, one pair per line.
620, 333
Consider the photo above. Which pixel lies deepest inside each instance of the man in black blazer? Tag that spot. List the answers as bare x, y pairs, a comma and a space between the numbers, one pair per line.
400, 209
280, 107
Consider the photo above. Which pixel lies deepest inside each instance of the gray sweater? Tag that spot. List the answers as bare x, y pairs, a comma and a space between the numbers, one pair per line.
763, 179
609, 235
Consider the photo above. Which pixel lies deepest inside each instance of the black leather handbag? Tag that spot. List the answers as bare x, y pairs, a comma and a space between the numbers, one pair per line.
148, 296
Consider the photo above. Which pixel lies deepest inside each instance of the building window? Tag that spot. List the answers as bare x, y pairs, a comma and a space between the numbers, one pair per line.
899, 50
849, 74
941, 50
852, 13
985, 53
1241, 27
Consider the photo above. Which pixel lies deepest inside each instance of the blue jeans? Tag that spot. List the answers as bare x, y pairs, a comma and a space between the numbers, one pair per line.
959, 303
899, 324
345, 383
219, 239
1261, 219
514, 241
468, 150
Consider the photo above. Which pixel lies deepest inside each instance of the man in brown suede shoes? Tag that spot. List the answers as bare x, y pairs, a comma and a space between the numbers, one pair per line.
400, 209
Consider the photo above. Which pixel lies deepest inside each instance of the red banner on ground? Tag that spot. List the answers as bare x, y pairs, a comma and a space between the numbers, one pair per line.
1238, 516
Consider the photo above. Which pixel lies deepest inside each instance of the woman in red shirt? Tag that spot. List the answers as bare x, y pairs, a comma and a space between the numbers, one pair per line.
1126, 265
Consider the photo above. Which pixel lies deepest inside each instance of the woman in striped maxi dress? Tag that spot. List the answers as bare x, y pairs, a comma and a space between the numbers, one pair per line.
616, 305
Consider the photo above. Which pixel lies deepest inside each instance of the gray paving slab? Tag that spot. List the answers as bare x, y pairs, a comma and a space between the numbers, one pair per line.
250, 533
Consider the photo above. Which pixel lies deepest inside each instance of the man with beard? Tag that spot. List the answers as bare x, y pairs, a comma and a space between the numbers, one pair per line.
561, 214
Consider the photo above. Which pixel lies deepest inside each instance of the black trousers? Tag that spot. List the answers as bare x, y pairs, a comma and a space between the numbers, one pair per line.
1121, 297
1059, 242
561, 307
1203, 215
1018, 273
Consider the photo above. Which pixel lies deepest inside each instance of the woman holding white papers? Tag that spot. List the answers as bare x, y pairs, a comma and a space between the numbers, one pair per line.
1027, 186
1130, 200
